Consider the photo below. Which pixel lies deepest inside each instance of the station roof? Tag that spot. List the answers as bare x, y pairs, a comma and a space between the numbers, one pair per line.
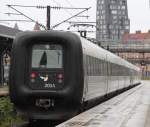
8, 32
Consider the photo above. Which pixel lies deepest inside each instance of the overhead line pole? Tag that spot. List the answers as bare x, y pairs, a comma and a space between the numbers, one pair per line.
48, 17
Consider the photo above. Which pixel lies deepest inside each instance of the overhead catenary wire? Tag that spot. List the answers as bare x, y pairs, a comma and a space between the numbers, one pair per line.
27, 16
42, 7
73, 6
39, 7
16, 21
65, 10
70, 18
69, 3
83, 16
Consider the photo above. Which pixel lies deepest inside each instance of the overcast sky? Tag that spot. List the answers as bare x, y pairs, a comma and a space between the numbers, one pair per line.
139, 12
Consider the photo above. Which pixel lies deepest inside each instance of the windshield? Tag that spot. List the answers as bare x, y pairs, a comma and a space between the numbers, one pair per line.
47, 56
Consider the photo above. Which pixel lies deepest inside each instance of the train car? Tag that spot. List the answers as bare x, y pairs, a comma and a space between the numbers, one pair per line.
54, 74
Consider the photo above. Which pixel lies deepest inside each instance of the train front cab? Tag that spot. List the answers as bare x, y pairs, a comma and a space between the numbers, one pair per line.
46, 78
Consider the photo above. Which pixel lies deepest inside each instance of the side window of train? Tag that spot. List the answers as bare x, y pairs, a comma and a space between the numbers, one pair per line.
113, 69
126, 71
100, 62
101, 67
92, 66
93, 59
120, 70
116, 70
95, 70
97, 66
99, 71
88, 65
104, 70
108, 66
85, 65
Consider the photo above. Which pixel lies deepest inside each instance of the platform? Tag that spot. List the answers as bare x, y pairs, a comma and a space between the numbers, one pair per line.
130, 109
4, 91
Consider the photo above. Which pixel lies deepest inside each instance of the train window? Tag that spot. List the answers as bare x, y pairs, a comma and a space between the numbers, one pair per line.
96, 66
98, 69
102, 68
89, 65
93, 63
47, 56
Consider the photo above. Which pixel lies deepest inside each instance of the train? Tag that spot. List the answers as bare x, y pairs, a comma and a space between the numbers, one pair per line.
54, 75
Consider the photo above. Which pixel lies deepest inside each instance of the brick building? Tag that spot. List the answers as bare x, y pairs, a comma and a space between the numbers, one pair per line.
142, 58
137, 37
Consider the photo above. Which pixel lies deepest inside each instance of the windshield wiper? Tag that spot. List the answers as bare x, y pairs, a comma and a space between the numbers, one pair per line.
43, 61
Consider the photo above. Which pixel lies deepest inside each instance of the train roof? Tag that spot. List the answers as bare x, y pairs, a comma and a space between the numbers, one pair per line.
94, 50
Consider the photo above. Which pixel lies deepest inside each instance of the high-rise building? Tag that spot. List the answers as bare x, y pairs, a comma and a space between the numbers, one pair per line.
111, 19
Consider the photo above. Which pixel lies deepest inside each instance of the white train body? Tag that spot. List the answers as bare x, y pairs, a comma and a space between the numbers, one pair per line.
105, 72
